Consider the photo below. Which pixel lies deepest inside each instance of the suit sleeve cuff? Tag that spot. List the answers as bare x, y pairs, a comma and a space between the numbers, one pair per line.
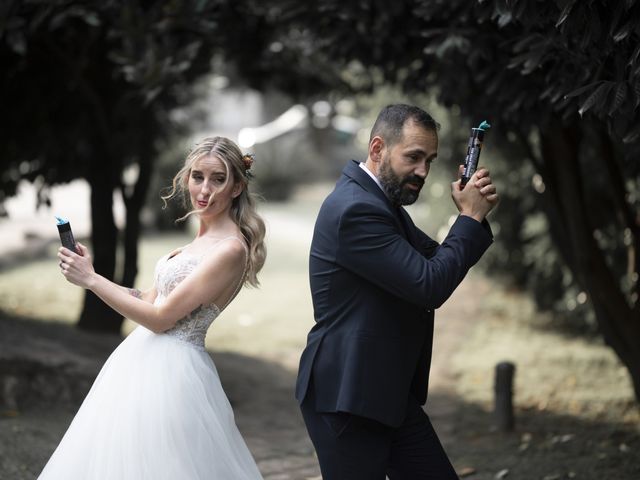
479, 230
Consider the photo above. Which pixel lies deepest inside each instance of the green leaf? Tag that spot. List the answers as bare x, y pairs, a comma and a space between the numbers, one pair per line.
526, 42
616, 17
581, 90
91, 19
518, 60
623, 32
534, 61
632, 136
17, 42
504, 19
597, 98
619, 96
565, 13
634, 56
590, 34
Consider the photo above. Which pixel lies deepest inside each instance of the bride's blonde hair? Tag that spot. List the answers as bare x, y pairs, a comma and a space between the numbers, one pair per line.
243, 207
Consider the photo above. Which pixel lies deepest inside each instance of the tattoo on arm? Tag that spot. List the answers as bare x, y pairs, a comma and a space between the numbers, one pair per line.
134, 292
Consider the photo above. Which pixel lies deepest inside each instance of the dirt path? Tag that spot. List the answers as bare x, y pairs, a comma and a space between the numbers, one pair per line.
456, 318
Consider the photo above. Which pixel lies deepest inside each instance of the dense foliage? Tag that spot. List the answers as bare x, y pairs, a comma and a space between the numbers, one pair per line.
560, 81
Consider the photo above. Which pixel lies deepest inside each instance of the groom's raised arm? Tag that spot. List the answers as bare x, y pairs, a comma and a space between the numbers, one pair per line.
370, 245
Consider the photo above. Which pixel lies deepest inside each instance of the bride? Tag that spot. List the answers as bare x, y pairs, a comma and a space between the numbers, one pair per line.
157, 409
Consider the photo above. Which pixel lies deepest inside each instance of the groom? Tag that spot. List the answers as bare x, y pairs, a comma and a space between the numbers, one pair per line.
376, 280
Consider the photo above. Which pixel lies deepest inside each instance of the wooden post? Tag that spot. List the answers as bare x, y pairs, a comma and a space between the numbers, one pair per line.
504, 417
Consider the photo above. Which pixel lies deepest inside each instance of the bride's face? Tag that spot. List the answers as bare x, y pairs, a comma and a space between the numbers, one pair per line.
211, 187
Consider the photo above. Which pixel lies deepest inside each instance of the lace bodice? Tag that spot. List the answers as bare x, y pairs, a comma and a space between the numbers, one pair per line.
170, 271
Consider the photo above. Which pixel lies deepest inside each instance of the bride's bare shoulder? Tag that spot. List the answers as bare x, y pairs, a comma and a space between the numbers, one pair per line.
231, 246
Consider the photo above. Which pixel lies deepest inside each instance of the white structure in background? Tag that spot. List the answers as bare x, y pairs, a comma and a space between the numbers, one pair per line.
228, 110
295, 118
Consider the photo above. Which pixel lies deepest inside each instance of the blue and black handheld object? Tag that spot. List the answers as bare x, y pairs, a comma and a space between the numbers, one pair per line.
473, 152
66, 235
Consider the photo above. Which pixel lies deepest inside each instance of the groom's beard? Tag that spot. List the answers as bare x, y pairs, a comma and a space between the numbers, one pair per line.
396, 187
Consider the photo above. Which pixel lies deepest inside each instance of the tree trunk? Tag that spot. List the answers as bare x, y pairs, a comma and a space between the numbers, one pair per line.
134, 204
616, 319
131, 236
96, 315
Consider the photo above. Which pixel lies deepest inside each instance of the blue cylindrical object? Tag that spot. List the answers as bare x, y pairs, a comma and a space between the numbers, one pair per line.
66, 235
474, 148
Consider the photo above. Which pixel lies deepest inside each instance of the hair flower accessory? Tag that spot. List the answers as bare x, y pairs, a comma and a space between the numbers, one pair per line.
247, 159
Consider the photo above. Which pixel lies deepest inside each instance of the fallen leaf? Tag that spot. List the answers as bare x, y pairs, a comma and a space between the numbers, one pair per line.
502, 474
466, 471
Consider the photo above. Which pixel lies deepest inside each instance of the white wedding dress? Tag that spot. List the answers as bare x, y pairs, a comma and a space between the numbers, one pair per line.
157, 409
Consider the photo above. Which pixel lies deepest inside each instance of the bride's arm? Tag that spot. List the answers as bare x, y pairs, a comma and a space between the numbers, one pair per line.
204, 285
148, 296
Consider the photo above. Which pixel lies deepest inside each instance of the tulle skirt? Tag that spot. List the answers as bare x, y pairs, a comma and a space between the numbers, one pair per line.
156, 411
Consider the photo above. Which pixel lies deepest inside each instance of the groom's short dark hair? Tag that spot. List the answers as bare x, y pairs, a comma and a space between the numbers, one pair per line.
392, 118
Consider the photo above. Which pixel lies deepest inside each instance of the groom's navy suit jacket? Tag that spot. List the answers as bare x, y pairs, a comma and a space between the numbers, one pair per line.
375, 282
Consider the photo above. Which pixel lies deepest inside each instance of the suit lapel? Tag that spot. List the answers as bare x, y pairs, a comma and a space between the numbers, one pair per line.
356, 173
409, 228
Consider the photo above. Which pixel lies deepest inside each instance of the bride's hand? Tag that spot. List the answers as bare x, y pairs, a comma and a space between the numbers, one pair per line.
77, 269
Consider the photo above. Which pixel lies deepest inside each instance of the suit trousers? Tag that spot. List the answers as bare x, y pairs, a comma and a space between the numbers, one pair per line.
350, 447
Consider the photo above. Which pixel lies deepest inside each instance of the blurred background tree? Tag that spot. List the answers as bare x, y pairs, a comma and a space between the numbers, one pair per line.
88, 91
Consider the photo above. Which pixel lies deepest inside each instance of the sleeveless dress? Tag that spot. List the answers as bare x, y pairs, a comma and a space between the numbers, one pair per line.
157, 409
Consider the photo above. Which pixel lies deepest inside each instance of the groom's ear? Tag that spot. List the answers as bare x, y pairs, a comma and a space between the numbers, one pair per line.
376, 148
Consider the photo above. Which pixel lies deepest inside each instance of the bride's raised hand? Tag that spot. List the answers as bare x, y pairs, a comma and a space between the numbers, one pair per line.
77, 269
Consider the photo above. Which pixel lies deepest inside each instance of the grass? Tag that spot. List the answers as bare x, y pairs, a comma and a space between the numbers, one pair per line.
578, 376
575, 412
